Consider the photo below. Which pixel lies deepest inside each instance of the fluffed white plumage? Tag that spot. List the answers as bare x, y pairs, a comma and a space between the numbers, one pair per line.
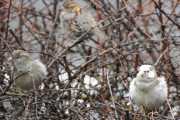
147, 89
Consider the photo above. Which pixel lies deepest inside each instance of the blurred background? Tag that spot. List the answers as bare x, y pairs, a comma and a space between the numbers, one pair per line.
89, 79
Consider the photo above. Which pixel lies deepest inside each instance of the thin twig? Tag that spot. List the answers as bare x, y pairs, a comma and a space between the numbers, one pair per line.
160, 57
17, 40
175, 23
111, 95
170, 109
9, 8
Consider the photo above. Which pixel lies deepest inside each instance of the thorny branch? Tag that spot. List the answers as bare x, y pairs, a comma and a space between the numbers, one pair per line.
139, 32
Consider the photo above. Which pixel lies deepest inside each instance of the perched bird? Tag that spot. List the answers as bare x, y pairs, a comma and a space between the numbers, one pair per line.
76, 21
29, 72
147, 89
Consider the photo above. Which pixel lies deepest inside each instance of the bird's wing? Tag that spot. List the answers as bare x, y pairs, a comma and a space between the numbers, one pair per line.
39, 67
87, 22
162, 81
72, 25
162, 84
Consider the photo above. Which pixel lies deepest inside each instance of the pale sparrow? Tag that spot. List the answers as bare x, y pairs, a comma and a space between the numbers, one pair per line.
147, 89
29, 73
75, 21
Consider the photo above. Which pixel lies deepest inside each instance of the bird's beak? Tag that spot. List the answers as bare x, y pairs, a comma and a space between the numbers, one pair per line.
143, 74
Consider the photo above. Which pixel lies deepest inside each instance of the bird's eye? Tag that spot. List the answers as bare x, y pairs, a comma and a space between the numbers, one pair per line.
17, 57
67, 7
147, 71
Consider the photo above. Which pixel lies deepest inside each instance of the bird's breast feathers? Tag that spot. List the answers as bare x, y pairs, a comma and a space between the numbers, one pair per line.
145, 85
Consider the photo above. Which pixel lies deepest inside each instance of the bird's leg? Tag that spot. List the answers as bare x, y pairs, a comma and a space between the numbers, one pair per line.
152, 114
142, 109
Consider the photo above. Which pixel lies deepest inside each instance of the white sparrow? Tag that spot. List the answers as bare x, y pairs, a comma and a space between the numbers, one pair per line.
29, 72
75, 21
147, 89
